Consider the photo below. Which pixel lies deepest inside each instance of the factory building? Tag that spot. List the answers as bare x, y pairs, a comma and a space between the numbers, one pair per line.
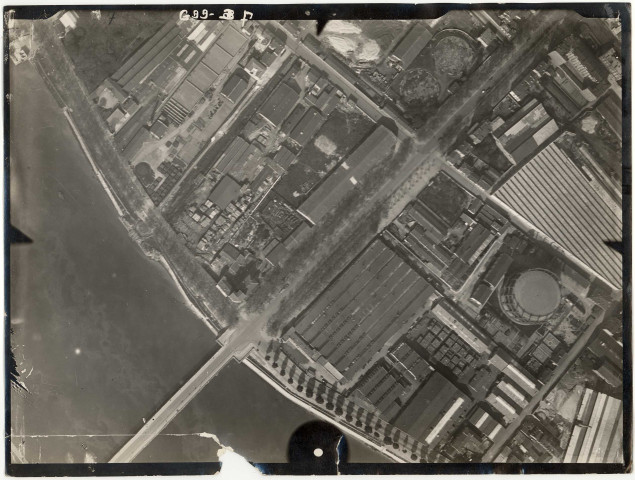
376, 296
553, 194
597, 431
411, 45
279, 104
485, 424
434, 411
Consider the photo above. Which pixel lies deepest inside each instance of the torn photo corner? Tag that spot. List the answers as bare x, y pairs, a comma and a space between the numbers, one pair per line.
318, 239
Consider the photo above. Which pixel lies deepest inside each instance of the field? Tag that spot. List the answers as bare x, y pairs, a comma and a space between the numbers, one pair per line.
100, 43
341, 133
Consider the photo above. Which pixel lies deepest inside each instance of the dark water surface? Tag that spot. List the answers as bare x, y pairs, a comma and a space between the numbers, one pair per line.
100, 333
104, 329
245, 413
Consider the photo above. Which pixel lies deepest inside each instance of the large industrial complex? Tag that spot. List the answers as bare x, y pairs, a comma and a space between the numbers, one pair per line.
412, 230
555, 195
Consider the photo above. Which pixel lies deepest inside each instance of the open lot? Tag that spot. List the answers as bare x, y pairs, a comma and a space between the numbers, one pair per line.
450, 57
363, 42
419, 86
453, 56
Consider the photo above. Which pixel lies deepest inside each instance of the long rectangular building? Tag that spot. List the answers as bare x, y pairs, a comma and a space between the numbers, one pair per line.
202, 77
486, 424
141, 54
234, 151
150, 60
231, 40
514, 374
216, 59
597, 432
432, 413
555, 196
279, 104
458, 324
308, 126
375, 296
526, 130
377, 147
412, 44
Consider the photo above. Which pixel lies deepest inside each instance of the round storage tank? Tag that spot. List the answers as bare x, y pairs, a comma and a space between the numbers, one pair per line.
531, 297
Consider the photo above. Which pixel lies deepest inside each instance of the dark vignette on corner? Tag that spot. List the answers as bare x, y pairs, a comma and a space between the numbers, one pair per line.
323, 13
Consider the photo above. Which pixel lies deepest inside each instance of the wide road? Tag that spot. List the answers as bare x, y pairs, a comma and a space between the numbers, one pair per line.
428, 147
562, 367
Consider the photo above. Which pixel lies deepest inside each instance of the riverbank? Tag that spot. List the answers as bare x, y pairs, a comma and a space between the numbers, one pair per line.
153, 230
134, 235
116, 202
100, 335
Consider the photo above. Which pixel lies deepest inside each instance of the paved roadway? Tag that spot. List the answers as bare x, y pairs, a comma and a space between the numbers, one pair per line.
248, 333
428, 148
562, 367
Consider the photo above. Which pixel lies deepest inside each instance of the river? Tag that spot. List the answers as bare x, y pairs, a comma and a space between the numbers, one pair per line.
101, 334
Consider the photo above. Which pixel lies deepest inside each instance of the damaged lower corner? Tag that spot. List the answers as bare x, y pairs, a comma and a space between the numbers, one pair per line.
234, 465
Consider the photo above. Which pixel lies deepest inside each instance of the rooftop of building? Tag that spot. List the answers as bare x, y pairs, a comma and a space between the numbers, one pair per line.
410, 46
225, 192
375, 148
279, 104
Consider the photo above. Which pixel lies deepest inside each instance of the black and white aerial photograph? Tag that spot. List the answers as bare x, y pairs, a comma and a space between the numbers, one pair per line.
317, 239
